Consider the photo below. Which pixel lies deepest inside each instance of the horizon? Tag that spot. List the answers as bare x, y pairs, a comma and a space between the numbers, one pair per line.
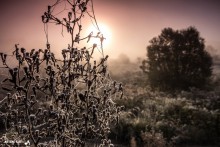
132, 24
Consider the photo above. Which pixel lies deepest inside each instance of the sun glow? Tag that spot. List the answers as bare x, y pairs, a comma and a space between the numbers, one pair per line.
103, 30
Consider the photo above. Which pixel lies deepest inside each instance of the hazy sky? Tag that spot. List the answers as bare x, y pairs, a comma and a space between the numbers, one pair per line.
132, 23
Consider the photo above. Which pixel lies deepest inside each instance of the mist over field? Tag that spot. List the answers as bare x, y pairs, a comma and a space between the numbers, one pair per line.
123, 64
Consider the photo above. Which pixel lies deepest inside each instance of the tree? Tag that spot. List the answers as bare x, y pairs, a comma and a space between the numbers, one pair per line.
60, 102
176, 59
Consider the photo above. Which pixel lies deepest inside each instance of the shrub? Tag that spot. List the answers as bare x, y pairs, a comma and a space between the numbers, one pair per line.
177, 60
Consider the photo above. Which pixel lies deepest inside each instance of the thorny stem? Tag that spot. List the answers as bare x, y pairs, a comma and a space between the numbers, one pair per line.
28, 116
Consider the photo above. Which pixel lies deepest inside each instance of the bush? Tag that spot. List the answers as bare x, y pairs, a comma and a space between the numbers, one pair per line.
125, 131
177, 60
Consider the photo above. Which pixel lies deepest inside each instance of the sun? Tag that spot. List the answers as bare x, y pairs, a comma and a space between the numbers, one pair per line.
103, 30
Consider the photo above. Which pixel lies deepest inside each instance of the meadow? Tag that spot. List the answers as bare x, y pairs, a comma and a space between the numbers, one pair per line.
155, 118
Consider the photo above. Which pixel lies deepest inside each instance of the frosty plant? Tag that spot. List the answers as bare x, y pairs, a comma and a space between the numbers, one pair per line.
60, 102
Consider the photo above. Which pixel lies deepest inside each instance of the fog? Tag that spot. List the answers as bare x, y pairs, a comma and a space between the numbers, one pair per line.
124, 64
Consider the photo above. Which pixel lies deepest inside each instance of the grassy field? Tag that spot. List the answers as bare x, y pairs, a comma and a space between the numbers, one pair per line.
154, 118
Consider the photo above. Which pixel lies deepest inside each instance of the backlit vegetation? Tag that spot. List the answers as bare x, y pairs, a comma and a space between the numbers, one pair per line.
60, 102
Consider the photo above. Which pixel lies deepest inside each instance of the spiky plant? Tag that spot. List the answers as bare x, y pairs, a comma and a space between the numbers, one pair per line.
60, 102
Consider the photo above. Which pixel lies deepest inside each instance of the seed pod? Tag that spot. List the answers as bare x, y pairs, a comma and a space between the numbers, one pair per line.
24, 129
32, 117
51, 107
82, 97
70, 15
39, 111
23, 50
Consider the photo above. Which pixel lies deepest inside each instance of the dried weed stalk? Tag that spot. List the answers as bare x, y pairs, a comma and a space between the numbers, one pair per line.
60, 102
